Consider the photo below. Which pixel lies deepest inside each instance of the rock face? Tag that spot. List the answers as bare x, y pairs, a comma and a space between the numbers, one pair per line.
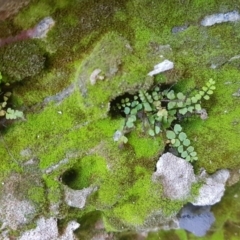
213, 189
176, 176
47, 230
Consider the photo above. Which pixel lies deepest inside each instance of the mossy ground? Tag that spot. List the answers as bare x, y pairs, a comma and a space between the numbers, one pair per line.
80, 129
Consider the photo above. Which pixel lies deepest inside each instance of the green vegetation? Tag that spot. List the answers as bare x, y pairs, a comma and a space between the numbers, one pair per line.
158, 109
125, 40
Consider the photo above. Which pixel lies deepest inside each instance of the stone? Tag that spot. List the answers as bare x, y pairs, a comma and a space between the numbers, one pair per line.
161, 67
42, 28
195, 219
47, 229
95, 76
213, 188
15, 210
220, 18
176, 175
77, 198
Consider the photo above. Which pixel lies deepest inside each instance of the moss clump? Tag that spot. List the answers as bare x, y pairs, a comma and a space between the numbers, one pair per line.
87, 171
21, 60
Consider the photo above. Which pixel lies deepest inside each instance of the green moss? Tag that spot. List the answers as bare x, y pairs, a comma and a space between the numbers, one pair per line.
21, 60
37, 195
144, 145
89, 170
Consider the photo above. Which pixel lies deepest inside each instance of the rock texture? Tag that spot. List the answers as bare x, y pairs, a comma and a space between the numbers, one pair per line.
77, 198
47, 230
161, 67
213, 188
176, 175
15, 210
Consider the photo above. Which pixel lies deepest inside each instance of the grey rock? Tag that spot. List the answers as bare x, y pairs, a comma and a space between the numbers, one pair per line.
161, 67
213, 188
176, 175
47, 230
220, 18
195, 219
77, 198
15, 210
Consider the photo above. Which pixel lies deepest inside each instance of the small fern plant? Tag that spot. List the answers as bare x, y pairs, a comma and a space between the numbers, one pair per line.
158, 109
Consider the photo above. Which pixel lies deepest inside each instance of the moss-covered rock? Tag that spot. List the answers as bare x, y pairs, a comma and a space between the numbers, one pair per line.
21, 60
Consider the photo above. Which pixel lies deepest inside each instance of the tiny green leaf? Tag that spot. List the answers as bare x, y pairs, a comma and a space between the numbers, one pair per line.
184, 154
183, 111
193, 154
198, 107
170, 134
126, 110
157, 129
182, 136
180, 96
177, 128
151, 132
180, 149
206, 97
147, 107
186, 142
171, 105
190, 149
177, 143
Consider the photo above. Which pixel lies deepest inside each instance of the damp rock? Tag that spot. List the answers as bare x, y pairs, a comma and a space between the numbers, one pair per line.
161, 67
176, 176
77, 198
196, 219
220, 18
213, 188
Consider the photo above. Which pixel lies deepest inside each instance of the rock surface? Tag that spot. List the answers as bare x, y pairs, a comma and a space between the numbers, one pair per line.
47, 230
77, 198
220, 18
161, 67
176, 176
213, 189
